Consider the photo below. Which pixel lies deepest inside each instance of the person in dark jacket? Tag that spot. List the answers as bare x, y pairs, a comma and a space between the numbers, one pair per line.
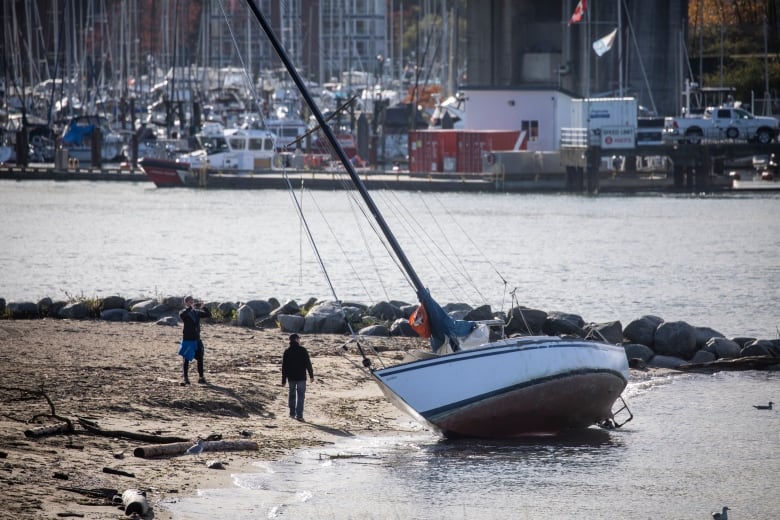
191, 346
295, 364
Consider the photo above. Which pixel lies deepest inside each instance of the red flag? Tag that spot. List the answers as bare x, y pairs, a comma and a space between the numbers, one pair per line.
576, 16
419, 322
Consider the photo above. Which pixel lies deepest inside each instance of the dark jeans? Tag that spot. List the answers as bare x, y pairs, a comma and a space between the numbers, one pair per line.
295, 397
199, 358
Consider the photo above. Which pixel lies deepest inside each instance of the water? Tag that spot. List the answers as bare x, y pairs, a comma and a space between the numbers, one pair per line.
696, 444
707, 260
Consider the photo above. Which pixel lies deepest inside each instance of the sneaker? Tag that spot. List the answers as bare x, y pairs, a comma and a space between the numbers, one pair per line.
299, 418
184, 382
201, 380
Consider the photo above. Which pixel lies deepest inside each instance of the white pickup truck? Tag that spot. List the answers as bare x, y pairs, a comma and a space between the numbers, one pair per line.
722, 123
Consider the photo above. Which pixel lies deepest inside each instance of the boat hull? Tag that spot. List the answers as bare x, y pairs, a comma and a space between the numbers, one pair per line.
511, 388
165, 173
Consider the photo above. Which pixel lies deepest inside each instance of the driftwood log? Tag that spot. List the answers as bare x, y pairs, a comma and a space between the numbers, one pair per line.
177, 448
93, 428
41, 431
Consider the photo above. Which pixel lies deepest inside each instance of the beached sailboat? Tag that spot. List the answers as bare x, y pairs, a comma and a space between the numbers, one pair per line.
512, 387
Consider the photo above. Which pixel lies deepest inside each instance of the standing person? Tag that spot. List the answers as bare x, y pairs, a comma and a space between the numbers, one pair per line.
295, 364
191, 345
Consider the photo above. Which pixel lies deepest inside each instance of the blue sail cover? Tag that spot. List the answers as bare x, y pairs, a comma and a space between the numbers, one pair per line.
444, 329
76, 133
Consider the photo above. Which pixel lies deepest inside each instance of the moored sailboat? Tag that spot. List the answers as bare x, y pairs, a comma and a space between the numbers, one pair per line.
506, 388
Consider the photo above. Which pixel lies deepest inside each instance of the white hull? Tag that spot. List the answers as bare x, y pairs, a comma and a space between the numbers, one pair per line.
514, 387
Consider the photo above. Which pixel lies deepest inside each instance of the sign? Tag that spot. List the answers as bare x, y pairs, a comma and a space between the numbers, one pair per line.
618, 137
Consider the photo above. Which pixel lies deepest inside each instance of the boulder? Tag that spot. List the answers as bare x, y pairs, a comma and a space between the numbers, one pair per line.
451, 307
115, 315
483, 312
642, 331
325, 318
289, 307
666, 362
611, 332
721, 347
2, 306
160, 311
402, 328
225, 309
23, 310
675, 338
561, 327
143, 307
170, 321
574, 319
259, 307
290, 322
702, 356
639, 351
760, 347
375, 330
385, 311
245, 316
704, 334
114, 302
75, 311
522, 320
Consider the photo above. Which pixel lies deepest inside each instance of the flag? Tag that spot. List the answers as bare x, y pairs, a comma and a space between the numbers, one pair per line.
604, 43
576, 16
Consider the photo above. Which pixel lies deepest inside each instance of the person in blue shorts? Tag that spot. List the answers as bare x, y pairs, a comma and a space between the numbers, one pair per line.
191, 346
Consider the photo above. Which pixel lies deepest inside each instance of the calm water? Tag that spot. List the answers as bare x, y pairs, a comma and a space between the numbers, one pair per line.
709, 260
696, 444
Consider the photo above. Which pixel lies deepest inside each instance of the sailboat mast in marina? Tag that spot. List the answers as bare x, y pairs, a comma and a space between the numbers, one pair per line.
469, 386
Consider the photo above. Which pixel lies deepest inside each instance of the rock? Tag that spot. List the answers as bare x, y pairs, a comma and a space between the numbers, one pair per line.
637, 350
721, 347
574, 319
760, 347
458, 314
170, 321
642, 331
2, 306
523, 320
143, 307
375, 330
402, 328
675, 338
45, 307
245, 317
215, 464
115, 314
259, 307
289, 307
452, 307
75, 311
704, 334
666, 362
702, 356
560, 327
23, 310
225, 309
407, 310
160, 311
290, 322
483, 312
385, 311
611, 332
112, 302
325, 318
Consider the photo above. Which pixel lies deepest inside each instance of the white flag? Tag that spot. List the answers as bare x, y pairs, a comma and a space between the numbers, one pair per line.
604, 44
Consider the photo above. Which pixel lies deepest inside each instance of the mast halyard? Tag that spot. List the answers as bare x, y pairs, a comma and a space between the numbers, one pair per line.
331, 136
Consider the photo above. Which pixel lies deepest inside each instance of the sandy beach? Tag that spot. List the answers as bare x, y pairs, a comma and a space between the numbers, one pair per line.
125, 377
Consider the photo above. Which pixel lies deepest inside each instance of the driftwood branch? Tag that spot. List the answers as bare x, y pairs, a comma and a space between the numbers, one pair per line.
95, 493
178, 448
113, 471
53, 412
142, 437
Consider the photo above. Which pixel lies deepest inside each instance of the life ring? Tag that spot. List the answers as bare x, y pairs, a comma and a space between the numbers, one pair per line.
491, 159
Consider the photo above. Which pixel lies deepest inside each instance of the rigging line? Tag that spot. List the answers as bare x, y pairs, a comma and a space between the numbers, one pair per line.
338, 110
368, 250
639, 55
309, 235
341, 249
244, 68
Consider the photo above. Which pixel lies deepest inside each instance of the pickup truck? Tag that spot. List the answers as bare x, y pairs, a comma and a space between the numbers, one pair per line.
722, 123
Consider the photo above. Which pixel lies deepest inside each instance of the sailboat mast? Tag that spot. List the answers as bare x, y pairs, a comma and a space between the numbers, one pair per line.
331, 136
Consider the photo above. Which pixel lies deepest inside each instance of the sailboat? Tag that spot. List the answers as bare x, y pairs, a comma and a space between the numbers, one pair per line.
469, 386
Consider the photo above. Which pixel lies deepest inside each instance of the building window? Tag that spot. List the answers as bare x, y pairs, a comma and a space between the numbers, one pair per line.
531, 129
